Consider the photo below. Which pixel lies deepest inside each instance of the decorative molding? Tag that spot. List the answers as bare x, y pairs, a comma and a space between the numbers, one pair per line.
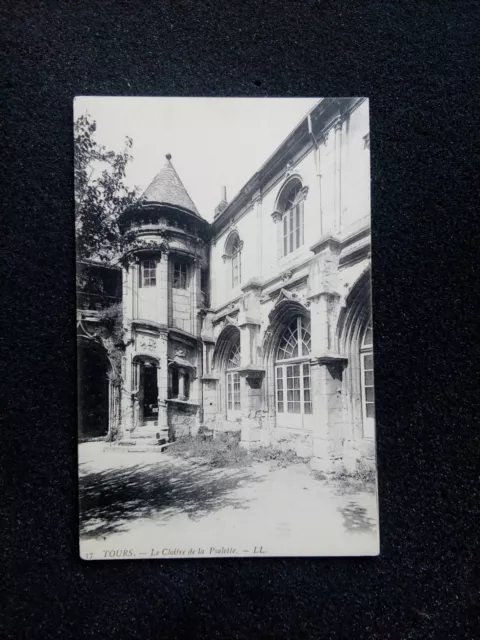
147, 343
181, 363
230, 320
149, 325
289, 169
327, 242
287, 275
276, 216
302, 194
254, 375
285, 295
334, 362
252, 284
209, 378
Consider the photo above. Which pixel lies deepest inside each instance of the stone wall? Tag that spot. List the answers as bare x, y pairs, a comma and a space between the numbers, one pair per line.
182, 419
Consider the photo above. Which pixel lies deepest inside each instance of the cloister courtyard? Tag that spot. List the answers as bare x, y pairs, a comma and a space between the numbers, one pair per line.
144, 504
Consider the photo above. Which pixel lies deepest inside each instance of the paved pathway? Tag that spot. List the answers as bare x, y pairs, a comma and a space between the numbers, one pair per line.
153, 505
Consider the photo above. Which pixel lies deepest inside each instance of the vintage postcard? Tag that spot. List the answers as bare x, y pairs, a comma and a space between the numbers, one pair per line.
224, 328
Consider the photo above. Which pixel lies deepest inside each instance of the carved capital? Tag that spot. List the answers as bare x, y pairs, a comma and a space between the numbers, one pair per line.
276, 216
253, 374
334, 362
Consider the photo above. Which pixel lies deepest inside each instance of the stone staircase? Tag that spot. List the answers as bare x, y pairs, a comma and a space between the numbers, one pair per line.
144, 438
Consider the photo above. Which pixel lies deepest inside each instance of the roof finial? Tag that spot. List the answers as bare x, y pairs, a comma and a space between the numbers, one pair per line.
168, 156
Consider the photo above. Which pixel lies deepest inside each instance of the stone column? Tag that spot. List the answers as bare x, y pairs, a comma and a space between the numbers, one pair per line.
132, 285
162, 384
338, 175
195, 297
209, 381
181, 383
259, 269
162, 289
326, 365
251, 373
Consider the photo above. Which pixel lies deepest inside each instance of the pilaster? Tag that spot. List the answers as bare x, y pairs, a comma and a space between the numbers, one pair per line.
162, 382
338, 174
327, 365
162, 289
251, 372
277, 219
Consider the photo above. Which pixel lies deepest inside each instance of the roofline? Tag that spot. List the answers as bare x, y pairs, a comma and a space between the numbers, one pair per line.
102, 265
321, 108
145, 204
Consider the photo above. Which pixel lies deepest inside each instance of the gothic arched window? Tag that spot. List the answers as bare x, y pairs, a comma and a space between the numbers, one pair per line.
292, 371
233, 254
291, 208
236, 262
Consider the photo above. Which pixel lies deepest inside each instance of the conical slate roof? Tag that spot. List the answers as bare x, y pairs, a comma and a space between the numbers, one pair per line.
167, 188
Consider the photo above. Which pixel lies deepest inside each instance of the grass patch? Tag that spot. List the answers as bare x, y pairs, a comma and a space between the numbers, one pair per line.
225, 451
222, 451
362, 479
276, 457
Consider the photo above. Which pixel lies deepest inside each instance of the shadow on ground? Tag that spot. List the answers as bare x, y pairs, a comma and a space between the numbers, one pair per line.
112, 498
355, 518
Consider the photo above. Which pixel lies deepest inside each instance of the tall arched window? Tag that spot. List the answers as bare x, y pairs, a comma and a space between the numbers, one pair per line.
233, 381
292, 375
236, 262
233, 254
368, 392
292, 218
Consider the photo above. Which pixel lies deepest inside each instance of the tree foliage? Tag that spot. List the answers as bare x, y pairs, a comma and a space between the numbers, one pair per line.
101, 193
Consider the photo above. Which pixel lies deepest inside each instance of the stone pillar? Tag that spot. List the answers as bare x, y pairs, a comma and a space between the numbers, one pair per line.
162, 289
259, 269
209, 381
181, 383
196, 297
326, 364
132, 286
162, 384
338, 175
251, 372
321, 143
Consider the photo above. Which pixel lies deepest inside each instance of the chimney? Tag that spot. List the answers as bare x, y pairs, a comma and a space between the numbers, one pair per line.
222, 205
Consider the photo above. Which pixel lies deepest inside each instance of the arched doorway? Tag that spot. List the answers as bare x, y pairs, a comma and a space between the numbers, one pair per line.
225, 364
145, 386
93, 391
293, 399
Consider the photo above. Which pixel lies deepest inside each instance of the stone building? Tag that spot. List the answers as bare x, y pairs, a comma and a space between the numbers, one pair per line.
259, 322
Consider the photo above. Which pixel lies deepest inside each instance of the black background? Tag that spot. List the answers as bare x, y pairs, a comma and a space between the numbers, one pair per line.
418, 63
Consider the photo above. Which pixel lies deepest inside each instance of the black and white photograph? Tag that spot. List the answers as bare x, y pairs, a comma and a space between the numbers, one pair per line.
226, 403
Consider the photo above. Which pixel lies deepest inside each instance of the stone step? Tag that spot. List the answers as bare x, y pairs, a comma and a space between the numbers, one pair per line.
140, 435
150, 448
127, 446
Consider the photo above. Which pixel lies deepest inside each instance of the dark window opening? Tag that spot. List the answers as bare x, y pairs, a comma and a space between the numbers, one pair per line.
148, 273
180, 271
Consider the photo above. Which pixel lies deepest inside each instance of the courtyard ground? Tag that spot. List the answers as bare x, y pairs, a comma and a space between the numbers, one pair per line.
162, 505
